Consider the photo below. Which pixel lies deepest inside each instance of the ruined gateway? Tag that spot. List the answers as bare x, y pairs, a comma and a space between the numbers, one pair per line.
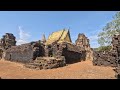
58, 50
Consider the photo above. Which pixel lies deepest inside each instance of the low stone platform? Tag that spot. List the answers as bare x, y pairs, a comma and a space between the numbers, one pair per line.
46, 63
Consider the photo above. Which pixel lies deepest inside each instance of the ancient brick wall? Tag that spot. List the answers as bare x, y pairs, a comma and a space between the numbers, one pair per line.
116, 47
7, 41
72, 53
71, 56
83, 42
105, 58
109, 58
1, 53
22, 53
38, 49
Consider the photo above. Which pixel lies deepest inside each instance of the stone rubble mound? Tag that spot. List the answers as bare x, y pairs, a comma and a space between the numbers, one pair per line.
46, 63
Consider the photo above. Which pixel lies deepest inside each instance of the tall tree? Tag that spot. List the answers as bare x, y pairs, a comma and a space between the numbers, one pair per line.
111, 28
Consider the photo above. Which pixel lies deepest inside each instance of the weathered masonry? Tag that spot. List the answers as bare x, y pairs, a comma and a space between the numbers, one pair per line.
109, 58
59, 45
7, 41
24, 53
56, 51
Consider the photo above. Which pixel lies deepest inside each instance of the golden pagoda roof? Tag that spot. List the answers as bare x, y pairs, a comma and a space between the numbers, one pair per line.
59, 37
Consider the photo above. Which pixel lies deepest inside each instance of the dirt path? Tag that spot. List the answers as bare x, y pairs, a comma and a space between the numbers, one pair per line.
81, 70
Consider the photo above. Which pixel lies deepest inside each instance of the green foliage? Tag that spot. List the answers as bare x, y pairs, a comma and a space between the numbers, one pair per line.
109, 30
103, 48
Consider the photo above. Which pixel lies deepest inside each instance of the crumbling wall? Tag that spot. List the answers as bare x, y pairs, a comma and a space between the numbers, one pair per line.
22, 53
109, 58
116, 47
71, 56
7, 41
72, 53
38, 49
83, 42
1, 53
105, 58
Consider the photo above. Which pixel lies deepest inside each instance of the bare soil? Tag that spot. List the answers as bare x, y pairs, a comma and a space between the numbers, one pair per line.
80, 70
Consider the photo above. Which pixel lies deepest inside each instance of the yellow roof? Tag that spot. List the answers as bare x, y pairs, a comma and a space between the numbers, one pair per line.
59, 36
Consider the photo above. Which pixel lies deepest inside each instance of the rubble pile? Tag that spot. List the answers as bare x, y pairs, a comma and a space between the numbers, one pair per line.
46, 63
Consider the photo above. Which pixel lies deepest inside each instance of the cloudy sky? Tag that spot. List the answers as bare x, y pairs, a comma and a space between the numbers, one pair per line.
30, 25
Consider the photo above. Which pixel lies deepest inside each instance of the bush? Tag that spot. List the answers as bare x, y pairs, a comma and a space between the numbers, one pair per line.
103, 48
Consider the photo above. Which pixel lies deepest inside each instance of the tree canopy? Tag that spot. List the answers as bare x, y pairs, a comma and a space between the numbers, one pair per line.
111, 28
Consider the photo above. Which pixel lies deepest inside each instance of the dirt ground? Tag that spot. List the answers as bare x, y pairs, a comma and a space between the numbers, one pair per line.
80, 70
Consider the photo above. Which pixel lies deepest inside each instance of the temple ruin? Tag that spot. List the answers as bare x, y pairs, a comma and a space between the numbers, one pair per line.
83, 42
56, 51
7, 41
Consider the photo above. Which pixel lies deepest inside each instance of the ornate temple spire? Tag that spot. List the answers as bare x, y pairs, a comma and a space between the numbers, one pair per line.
43, 38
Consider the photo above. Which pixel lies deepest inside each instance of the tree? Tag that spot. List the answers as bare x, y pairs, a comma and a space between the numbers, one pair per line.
111, 28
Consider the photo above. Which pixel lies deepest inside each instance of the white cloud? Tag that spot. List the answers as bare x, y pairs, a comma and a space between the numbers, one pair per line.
93, 38
23, 36
19, 42
94, 44
93, 41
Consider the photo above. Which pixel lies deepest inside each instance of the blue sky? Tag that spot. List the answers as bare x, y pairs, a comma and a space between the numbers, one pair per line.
30, 25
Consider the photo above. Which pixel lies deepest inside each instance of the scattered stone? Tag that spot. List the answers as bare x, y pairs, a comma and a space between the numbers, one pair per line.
46, 63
